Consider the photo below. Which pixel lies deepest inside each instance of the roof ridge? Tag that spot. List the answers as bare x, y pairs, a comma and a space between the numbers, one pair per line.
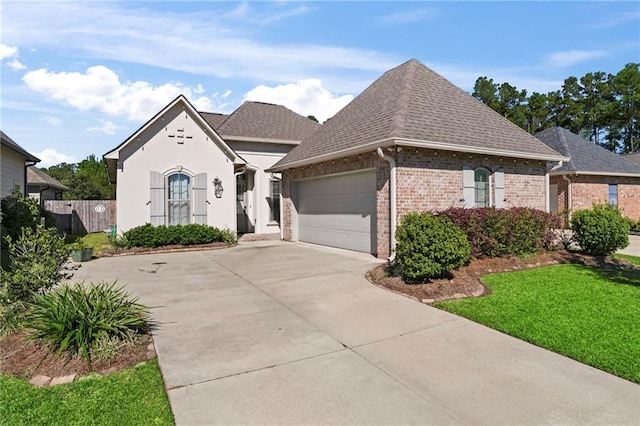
402, 103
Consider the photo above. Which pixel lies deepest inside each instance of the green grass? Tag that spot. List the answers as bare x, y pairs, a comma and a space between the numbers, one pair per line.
586, 313
98, 241
633, 259
132, 397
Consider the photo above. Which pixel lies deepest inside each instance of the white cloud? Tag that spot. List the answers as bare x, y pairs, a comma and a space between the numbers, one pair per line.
16, 65
306, 97
408, 17
51, 157
100, 89
568, 58
205, 43
53, 120
7, 52
106, 127
617, 19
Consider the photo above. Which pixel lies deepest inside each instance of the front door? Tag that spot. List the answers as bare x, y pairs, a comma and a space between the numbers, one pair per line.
241, 203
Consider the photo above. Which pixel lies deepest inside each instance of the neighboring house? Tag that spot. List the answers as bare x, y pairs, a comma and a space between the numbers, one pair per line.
594, 175
184, 167
14, 161
41, 186
412, 141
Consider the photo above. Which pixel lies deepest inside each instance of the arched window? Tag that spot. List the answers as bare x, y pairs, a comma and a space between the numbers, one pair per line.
179, 199
482, 188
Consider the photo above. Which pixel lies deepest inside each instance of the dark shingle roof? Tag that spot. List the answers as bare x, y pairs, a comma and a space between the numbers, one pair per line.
214, 119
412, 102
267, 121
585, 155
35, 176
634, 157
10, 143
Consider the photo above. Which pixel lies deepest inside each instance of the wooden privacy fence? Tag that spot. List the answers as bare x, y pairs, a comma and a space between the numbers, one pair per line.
82, 216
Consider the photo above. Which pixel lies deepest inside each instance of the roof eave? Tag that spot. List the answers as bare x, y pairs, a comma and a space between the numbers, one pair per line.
594, 173
230, 138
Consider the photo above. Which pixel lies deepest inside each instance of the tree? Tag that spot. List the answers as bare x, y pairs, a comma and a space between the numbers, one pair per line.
625, 123
312, 118
87, 180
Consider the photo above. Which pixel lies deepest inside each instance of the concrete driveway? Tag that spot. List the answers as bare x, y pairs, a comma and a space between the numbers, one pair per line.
283, 333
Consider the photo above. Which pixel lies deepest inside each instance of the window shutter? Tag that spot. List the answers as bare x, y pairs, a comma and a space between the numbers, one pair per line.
200, 199
469, 187
157, 199
498, 179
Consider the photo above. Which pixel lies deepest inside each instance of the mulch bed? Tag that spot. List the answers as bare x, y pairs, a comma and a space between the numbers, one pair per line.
25, 360
465, 282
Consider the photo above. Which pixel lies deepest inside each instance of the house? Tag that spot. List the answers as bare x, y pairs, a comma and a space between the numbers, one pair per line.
41, 186
411, 141
183, 166
14, 161
593, 175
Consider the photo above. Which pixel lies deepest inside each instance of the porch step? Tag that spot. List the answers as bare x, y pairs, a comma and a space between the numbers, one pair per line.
244, 238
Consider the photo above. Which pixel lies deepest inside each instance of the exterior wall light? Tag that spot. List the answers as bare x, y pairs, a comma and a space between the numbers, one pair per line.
217, 188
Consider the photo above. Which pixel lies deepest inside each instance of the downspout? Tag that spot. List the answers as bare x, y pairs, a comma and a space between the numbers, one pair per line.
392, 201
273, 176
27, 164
41, 200
569, 203
546, 182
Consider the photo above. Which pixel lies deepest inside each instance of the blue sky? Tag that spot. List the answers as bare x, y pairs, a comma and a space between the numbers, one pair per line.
79, 77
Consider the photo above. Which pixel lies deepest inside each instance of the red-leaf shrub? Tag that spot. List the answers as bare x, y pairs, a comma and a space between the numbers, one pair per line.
502, 232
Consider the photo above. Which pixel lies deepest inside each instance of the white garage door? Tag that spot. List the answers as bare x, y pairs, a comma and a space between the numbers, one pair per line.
339, 211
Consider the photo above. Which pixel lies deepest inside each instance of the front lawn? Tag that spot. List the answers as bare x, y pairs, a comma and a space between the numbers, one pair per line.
131, 397
586, 313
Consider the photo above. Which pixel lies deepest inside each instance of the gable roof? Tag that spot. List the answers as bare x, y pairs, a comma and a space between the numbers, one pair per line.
112, 156
6, 141
266, 122
35, 176
586, 156
632, 156
412, 105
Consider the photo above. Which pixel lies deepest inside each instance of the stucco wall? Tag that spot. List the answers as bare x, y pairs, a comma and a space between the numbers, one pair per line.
261, 156
11, 171
427, 180
156, 151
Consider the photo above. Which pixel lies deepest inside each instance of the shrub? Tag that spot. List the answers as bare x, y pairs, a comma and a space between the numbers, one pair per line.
149, 236
502, 232
429, 246
35, 259
20, 212
600, 231
78, 318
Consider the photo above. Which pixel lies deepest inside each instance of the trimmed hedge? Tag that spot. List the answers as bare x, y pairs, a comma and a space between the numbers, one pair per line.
504, 232
149, 236
600, 231
429, 246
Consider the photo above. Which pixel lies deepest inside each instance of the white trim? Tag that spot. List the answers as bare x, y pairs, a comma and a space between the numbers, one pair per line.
587, 173
418, 144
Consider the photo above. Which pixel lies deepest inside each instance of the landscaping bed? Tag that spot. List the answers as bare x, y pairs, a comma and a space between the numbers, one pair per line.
25, 360
466, 282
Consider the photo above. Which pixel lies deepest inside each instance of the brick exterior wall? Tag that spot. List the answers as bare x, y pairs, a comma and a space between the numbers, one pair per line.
427, 180
589, 190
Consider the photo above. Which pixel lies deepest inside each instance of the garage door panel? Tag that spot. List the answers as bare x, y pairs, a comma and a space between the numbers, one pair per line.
339, 211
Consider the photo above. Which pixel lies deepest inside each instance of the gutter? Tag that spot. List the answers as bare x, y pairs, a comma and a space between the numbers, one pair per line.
566, 177
392, 202
546, 183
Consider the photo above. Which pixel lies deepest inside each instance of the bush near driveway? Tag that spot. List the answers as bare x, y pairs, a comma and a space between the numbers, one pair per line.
149, 236
600, 231
504, 232
19, 212
429, 247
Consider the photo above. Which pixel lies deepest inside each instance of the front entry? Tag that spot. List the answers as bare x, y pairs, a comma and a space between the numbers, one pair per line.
244, 205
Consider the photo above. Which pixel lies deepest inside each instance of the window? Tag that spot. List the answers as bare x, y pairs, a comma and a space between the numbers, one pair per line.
179, 199
482, 194
613, 194
274, 194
